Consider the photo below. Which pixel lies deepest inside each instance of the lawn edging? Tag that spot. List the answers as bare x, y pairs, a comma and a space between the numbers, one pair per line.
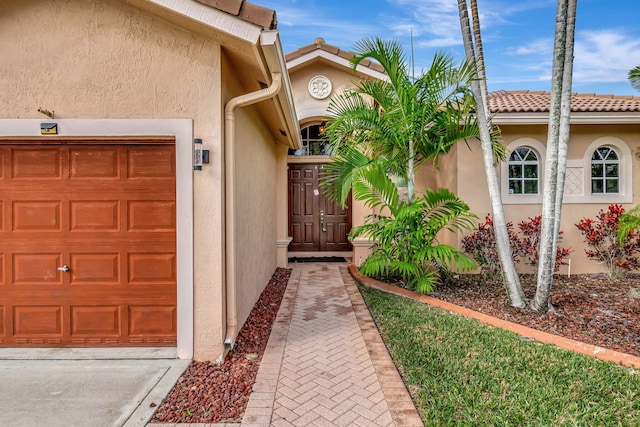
524, 331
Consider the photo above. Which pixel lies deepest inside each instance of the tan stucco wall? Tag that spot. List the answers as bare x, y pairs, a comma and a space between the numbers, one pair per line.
102, 59
472, 186
256, 231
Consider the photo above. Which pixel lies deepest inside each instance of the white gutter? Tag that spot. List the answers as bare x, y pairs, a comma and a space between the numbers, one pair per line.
230, 206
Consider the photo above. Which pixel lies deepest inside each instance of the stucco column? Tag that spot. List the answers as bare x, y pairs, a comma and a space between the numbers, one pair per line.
282, 194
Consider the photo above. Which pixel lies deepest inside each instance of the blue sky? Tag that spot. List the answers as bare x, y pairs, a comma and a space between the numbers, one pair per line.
517, 35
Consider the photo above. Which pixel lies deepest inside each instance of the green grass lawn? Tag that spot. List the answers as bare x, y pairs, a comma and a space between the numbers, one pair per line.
462, 372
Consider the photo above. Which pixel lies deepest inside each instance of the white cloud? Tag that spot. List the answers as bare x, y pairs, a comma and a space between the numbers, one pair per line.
605, 56
599, 56
540, 47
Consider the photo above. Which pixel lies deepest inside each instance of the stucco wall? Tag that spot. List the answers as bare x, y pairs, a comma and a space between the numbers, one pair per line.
102, 60
472, 187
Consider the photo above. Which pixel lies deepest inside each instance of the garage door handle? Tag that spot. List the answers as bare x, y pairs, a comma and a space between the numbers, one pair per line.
63, 268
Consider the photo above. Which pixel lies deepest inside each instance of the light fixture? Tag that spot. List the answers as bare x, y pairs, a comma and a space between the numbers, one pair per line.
322, 128
200, 156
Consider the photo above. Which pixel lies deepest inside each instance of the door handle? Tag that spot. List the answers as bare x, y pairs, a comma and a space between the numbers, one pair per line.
322, 226
64, 268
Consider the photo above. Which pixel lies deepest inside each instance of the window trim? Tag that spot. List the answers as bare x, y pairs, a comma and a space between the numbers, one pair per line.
540, 151
625, 180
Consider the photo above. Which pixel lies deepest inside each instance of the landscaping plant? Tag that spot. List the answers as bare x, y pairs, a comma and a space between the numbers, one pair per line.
481, 244
601, 235
528, 244
406, 242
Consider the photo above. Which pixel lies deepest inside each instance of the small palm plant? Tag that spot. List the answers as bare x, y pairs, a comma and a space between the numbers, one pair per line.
406, 241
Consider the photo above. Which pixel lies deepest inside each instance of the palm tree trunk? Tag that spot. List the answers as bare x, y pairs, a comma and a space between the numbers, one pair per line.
512, 282
557, 140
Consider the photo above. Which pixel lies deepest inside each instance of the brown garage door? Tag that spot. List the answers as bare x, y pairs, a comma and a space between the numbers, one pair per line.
87, 243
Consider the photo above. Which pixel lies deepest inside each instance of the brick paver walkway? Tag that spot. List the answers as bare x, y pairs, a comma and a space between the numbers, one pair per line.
325, 364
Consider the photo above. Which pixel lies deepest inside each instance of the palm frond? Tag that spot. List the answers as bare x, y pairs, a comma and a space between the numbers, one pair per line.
629, 222
634, 78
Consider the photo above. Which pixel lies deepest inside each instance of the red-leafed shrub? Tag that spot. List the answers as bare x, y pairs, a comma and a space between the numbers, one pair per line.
601, 237
481, 244
529, 243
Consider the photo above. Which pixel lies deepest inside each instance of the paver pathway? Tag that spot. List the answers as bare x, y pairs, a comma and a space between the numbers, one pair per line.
325, 364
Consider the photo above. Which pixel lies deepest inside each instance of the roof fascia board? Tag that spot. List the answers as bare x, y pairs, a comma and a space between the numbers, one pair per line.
212, 17
274, 59
576, 118
319, 53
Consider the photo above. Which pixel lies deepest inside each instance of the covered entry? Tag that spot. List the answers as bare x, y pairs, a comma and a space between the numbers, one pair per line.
88, 242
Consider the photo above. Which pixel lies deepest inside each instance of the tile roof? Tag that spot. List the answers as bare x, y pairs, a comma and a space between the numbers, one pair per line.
320, 44
538, 102
246, 11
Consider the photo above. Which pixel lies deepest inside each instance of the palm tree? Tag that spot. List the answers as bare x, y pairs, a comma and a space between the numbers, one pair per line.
474, 54
634, 78
383, 130
557, 146
390, 128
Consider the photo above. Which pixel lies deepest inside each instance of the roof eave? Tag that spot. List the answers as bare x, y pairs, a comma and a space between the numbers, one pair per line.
212, 17
339, 60
271, 47
576, 118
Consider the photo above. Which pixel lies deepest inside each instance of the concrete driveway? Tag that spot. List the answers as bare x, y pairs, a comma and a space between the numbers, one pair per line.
84, 387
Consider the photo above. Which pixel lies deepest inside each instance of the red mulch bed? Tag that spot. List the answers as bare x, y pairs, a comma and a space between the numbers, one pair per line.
208, 392
590, 308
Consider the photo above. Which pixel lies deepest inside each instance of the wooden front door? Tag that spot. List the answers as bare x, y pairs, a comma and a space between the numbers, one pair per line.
315, 222
87, 244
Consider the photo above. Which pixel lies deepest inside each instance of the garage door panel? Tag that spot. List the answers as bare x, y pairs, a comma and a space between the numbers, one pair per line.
144, 162
147, 268
37, 215
95, 268
92, 321
36, 269
36, 163
151, 215
45, 320
95, 162
152, 320
94, 215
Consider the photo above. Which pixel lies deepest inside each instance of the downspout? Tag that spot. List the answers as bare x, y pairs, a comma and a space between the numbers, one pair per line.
230, 207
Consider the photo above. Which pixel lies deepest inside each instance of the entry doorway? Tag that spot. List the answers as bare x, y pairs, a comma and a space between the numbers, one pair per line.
316, 224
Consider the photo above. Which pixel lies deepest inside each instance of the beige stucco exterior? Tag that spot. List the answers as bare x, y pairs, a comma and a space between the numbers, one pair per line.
139, 60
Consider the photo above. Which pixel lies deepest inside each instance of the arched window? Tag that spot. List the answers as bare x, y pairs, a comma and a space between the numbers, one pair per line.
314, 142
523, 171
605, 171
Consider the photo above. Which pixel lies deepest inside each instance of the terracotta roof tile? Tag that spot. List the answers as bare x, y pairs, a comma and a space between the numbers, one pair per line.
320, 44
246, 11
538, 102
